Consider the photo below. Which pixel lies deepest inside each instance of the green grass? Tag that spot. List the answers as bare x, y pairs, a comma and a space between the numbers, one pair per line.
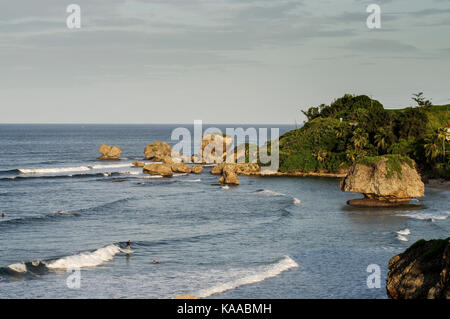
393, 164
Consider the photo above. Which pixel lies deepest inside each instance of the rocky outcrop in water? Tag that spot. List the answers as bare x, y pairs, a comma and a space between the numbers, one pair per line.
422, 271
180, 168
109, 152
197, 169
245, 169
157, 151
158, 169
229, 175
138, 164
383, 182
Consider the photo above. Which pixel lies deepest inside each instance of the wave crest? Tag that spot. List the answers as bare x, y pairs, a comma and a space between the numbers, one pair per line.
254, 276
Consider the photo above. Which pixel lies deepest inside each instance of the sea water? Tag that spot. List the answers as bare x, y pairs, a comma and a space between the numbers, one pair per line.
270, 237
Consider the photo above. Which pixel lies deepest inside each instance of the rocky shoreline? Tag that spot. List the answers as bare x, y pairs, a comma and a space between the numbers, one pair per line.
421, 272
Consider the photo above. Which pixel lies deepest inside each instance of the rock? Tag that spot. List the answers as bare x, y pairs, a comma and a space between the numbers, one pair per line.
197, 169
157, 151
245, 169
369, 202
138, 164
378, 181
109, 152
229, 175
214, 148
217, 170
180, 168
186, 159
158, 169
186, 296
422, 271
167, 160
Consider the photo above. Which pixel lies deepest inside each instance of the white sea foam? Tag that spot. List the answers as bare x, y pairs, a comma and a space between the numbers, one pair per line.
83, 260
153, 176
297, 201
404, 232
111, 166
19, 267
427, 216
130, 173
192, 180
53, 170
253, 276
226, 187
57, 170
402, 238
268, 192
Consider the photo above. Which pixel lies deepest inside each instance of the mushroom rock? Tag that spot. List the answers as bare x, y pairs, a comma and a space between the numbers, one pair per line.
383, 182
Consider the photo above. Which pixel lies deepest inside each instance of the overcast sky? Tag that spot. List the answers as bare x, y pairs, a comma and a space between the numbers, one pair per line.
221, 61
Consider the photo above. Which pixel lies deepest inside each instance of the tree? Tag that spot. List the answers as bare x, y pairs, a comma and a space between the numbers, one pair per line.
312, 113
381, 139
432, 147
443, 135
420, 100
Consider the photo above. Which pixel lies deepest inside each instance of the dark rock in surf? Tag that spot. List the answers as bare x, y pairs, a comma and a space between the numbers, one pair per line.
421, 272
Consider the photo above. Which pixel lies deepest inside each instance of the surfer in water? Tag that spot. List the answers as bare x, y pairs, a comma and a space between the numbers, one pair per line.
3, 214
128, 245
156, 262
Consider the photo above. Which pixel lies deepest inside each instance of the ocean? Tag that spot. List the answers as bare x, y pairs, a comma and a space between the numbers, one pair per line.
270, 237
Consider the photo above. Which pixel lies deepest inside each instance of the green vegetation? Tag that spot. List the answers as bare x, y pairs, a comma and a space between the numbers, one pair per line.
435, 247
357, 128
393, 163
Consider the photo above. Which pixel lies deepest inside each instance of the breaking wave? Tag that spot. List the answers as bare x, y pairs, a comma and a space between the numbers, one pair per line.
82, 260
56, 170
252, 277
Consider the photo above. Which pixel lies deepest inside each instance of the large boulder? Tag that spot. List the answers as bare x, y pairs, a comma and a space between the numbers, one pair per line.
158, 169
384, 181
180, 168
109, 152
197, 169
422, 271
229, 175
157, 151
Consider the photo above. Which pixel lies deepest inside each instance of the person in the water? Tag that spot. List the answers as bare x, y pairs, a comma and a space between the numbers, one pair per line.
128, 245
3, 214
156, 262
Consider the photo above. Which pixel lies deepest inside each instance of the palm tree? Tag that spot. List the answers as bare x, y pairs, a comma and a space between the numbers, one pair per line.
432, 148
443, 135
360, 139
381, 139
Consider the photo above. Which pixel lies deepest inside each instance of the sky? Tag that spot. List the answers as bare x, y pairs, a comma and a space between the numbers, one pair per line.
219, 61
